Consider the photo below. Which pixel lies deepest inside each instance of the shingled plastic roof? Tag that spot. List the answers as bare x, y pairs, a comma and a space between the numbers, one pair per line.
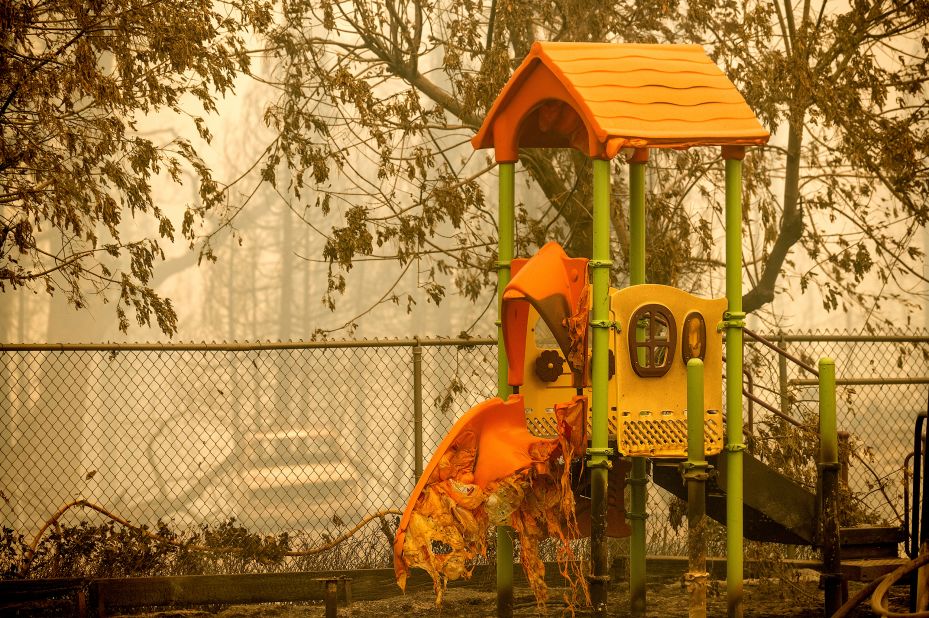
601, 97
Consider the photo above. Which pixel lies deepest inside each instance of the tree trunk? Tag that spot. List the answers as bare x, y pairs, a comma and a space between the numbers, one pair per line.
791, 228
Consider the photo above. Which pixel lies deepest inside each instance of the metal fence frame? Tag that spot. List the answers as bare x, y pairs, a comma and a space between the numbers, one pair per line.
416, 345
778, 386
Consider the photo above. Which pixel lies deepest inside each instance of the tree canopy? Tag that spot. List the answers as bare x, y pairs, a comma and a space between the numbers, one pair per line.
372, 105
78, 77
375, 101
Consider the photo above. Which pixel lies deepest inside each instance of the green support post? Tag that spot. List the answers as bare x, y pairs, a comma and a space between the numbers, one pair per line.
417, 411
695, 475
733, 323
506, 236
598, 455
638, 478
829, 484
828, 423
637, 218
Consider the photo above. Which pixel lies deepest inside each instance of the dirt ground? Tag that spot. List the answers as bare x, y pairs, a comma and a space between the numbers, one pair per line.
763, 598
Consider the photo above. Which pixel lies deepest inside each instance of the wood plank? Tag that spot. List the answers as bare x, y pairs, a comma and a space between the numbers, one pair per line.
674, 567
203, 589
869, 570
64, 596
51, 583
855, 552
23, 589
868, 535
367, 584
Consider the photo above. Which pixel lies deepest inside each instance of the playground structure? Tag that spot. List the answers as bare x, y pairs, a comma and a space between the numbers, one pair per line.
656, 352
500, 465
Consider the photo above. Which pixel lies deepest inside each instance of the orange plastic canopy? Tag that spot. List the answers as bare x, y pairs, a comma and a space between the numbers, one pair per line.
601, 97
554, 284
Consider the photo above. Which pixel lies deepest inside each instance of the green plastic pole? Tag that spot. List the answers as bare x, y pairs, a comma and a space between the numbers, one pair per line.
695, 477
828, 424
599, 459
637, 221
638, 477
829, 484
734, 320
695, 429
506, 231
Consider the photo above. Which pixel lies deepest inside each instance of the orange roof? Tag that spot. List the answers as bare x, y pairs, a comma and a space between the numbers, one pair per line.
600, 97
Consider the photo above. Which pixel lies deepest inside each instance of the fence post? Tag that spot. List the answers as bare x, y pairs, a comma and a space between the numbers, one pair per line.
782, 374
417, 410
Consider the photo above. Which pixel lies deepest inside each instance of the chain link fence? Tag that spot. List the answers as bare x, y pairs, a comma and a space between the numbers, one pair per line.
882, 385
308, 438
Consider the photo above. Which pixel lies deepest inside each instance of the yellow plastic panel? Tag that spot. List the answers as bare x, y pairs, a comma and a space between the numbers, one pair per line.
650, 412
539, 396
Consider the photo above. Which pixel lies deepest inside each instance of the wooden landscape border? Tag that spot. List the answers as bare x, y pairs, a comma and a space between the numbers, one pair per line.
105, 595
298, 587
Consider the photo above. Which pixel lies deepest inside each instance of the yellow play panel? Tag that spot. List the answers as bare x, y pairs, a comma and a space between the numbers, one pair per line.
656, 330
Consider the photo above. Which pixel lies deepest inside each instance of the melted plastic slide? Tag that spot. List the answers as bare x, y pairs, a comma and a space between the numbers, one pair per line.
490, 471
556, 286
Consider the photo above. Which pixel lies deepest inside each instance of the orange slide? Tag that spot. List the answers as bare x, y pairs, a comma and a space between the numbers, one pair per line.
489, 471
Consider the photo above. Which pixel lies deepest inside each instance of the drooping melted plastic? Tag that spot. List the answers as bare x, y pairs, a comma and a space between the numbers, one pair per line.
490, 471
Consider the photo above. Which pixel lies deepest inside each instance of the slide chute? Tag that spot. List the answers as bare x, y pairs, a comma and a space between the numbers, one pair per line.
490, 471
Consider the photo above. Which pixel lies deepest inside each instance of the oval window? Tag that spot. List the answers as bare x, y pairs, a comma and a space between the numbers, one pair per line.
693, 337
652, 337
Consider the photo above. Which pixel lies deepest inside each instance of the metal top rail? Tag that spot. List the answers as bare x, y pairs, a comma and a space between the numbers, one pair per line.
244, 346
814, 338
